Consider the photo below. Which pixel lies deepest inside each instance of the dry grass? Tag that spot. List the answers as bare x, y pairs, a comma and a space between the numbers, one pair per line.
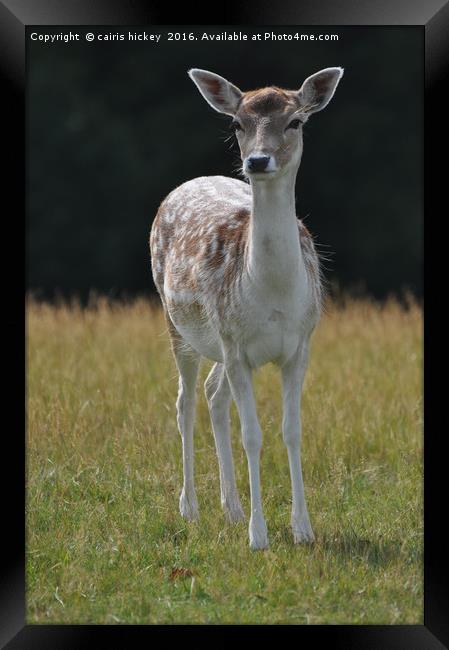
105, 541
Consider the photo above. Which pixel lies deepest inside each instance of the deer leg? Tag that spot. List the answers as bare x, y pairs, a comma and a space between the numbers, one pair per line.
188, 363
240, 381
292, 380
218, 396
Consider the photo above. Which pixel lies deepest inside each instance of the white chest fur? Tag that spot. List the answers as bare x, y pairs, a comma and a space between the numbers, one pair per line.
274, 324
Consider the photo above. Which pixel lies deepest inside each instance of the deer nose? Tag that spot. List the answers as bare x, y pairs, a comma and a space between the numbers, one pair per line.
258, 163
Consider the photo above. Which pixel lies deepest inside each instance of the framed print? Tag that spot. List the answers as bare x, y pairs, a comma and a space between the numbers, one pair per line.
202, 199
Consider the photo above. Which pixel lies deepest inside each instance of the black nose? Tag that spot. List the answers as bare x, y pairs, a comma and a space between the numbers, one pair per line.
258, 163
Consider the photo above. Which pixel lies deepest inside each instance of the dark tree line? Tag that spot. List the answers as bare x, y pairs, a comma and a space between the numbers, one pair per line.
113, 127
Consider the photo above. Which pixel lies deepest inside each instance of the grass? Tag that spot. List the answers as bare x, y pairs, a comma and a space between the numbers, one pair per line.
105, 541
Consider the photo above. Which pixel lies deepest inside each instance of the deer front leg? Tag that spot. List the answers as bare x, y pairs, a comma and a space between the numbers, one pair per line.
292, 380
240, 381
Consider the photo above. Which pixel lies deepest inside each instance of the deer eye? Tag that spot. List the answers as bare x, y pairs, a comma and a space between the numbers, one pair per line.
235, 126
294, 124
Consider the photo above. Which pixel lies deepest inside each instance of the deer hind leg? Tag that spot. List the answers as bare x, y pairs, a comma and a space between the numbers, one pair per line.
240, 381
218, 395
292, 380
187, 361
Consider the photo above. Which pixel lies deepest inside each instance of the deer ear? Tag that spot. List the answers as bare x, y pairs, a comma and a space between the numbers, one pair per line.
223, 96
318, 89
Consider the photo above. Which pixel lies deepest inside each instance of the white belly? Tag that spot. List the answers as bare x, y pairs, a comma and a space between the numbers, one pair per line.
262, 326
267, 334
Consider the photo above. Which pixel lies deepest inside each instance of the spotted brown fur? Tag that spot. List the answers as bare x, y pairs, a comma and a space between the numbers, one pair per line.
198, 253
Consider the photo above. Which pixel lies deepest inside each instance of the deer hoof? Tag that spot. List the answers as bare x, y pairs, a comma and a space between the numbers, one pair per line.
258, 537
303, 533
188, 506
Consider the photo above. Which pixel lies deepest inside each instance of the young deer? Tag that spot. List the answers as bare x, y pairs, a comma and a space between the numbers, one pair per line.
239, 281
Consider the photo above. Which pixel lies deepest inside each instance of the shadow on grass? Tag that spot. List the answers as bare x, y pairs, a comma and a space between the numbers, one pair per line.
350, 547
376, 553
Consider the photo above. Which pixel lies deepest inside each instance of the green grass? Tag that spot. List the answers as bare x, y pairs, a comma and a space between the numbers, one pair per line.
104, 535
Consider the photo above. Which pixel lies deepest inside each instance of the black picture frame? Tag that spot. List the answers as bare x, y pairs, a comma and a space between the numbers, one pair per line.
15, 16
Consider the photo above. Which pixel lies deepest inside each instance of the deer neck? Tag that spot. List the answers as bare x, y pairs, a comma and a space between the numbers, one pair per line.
274, 251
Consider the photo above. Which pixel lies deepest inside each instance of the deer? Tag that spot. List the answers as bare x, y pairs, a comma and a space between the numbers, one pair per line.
241, 285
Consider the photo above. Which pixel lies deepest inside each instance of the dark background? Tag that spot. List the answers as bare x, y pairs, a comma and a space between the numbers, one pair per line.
113, 127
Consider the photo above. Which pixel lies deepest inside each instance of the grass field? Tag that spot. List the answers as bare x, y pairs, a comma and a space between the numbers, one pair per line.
105, 541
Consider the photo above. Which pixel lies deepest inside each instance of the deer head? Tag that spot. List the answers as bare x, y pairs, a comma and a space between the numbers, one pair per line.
268, 122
